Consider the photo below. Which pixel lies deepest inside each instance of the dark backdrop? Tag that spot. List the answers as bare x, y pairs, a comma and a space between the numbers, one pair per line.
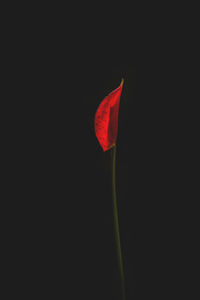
63, 234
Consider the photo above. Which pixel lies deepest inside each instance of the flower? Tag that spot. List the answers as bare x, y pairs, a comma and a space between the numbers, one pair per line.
106, 119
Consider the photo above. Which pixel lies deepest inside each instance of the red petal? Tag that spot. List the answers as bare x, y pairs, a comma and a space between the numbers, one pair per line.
106, 119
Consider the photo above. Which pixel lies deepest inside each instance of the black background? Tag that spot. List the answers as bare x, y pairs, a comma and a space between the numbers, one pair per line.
63, 228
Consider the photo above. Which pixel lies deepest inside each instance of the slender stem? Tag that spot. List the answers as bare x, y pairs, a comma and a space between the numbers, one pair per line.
116, 221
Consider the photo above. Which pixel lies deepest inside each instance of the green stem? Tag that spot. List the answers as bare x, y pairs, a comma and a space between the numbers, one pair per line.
116, 221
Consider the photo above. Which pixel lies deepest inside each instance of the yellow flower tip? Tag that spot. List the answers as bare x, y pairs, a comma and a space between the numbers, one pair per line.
122, 82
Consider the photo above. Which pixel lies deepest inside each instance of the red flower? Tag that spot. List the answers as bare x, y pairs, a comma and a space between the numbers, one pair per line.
106, 119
